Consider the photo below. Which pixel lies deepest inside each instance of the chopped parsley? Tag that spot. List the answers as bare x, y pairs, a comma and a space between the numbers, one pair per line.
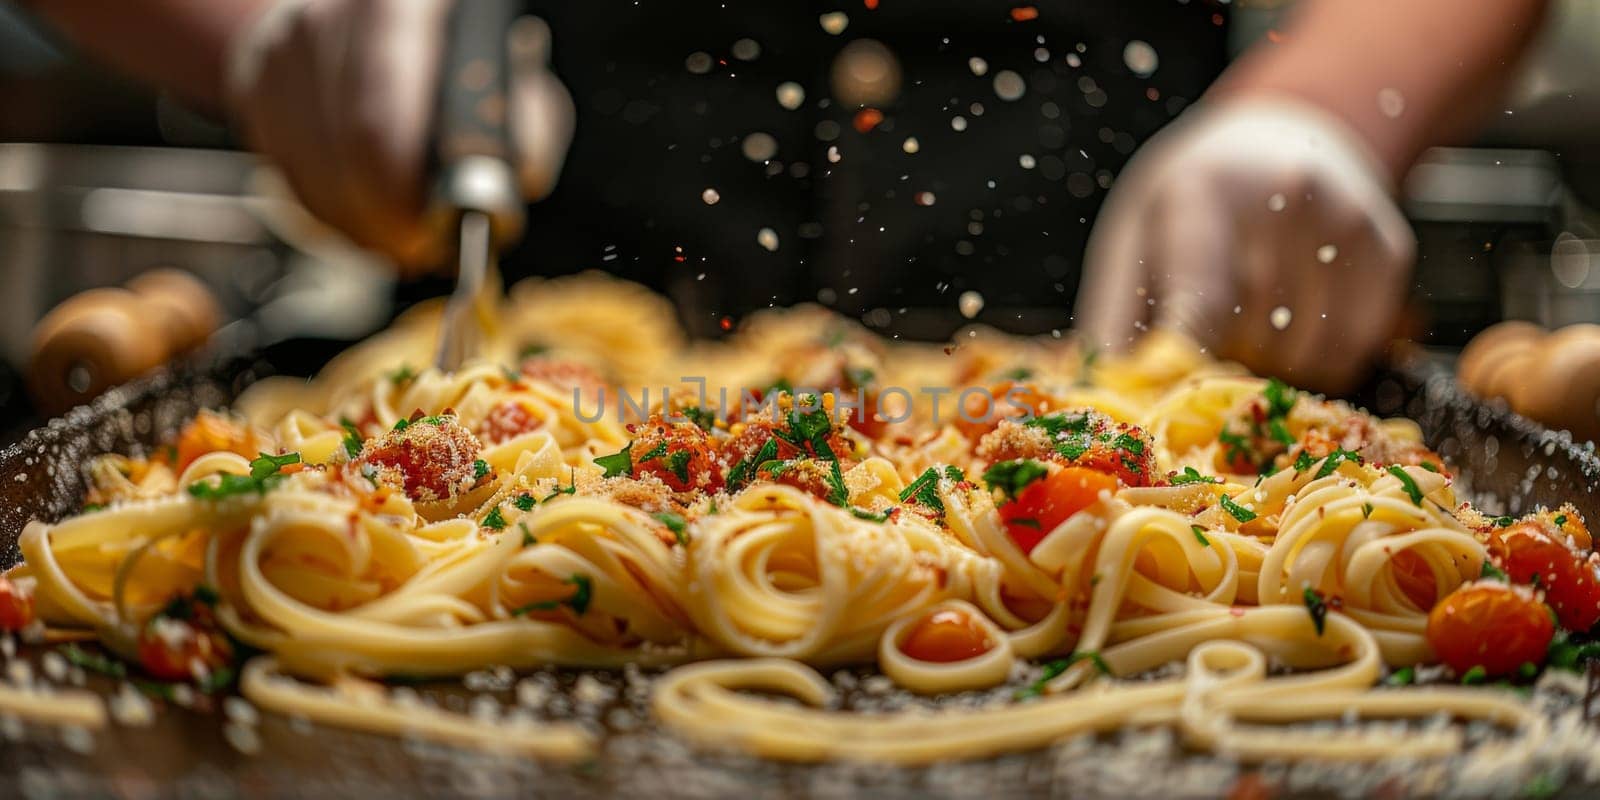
480, 469
1492, 572
703, 418
1503, 522
94, 662
1060, 422
1237, 511
1334, 459
870, 516
858, 377
1428, 465
1366, 510
1475, 676
91, 507
924, 490
617, 464
1053, 670
570, 488
1191, 475
352, 437
1527, 671
838, 493
495, 521
533, 349
578, 601
1280, 398
527, 536
742, 471
1404, 676
402, 375
1200, 534
1303, 461
1279, 431
1561, 520
524, 502
1569, 655
1011, 477
264, 476
1238, 446
1017, 374
1317, 607
678, 463
1027, 522
676, 524
1408, 483
655, 452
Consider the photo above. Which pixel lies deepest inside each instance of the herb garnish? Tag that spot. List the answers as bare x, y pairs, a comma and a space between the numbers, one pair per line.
524, 502
924, 490
676, 524
1237, 511
495, 521
1200, 533
1334, 459
617, 464
1191, 475
1318, 608
861, 513
1492, 572
352, 437
578, 601
1403, 676
1011, 477
263, 477
1408, 483
480, 469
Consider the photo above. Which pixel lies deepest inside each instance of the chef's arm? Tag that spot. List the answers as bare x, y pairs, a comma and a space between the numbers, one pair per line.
180, 45
1439, 62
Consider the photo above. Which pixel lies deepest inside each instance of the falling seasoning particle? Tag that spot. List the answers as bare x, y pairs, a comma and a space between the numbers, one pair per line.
1277, 202
834, 22
1280, 317
710, 196
970, 303
925, 198
768, 238
759, 147
1026, 161
746, 49
911, 145
1391, 102
1008, 85
959, 123
833, 154
1024, 13
1327, 253
978, 66
698, 62
866, 119
1073, 60
1141, 58
726, 323
791, 95
1041, 55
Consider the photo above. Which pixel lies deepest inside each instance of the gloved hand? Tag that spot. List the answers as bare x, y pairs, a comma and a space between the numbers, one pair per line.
341, 95
1262, 227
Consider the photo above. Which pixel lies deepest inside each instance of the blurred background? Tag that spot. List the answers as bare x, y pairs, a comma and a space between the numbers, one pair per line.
723, 156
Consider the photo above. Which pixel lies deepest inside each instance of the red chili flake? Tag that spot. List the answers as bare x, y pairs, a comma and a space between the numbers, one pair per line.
1152, 93
1024, 13
867, 119
726, 323
871, 4
1216, 19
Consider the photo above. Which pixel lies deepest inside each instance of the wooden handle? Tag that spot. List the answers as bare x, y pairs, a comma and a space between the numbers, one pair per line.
100, 338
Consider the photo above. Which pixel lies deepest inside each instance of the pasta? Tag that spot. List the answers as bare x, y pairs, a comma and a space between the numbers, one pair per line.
584, 498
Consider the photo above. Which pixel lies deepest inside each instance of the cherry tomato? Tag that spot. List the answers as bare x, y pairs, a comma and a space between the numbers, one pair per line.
1530, 548
210, 433
1491, 625
177, 650
679, 453
433, 458
1049, 501
946, 636
16, 606
505, 421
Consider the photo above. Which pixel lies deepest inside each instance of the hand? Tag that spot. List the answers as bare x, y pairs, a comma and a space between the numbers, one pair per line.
341, 94
1262, 228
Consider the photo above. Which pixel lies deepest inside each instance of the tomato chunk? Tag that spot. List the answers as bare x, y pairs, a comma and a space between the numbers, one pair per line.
431, 458
946, 636
1532, 550
1049, 501
1491, 625
211, 433
16, 606
507, 420
681, 454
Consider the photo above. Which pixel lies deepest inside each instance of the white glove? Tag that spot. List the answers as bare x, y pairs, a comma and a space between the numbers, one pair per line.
341, 95
1264, 229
